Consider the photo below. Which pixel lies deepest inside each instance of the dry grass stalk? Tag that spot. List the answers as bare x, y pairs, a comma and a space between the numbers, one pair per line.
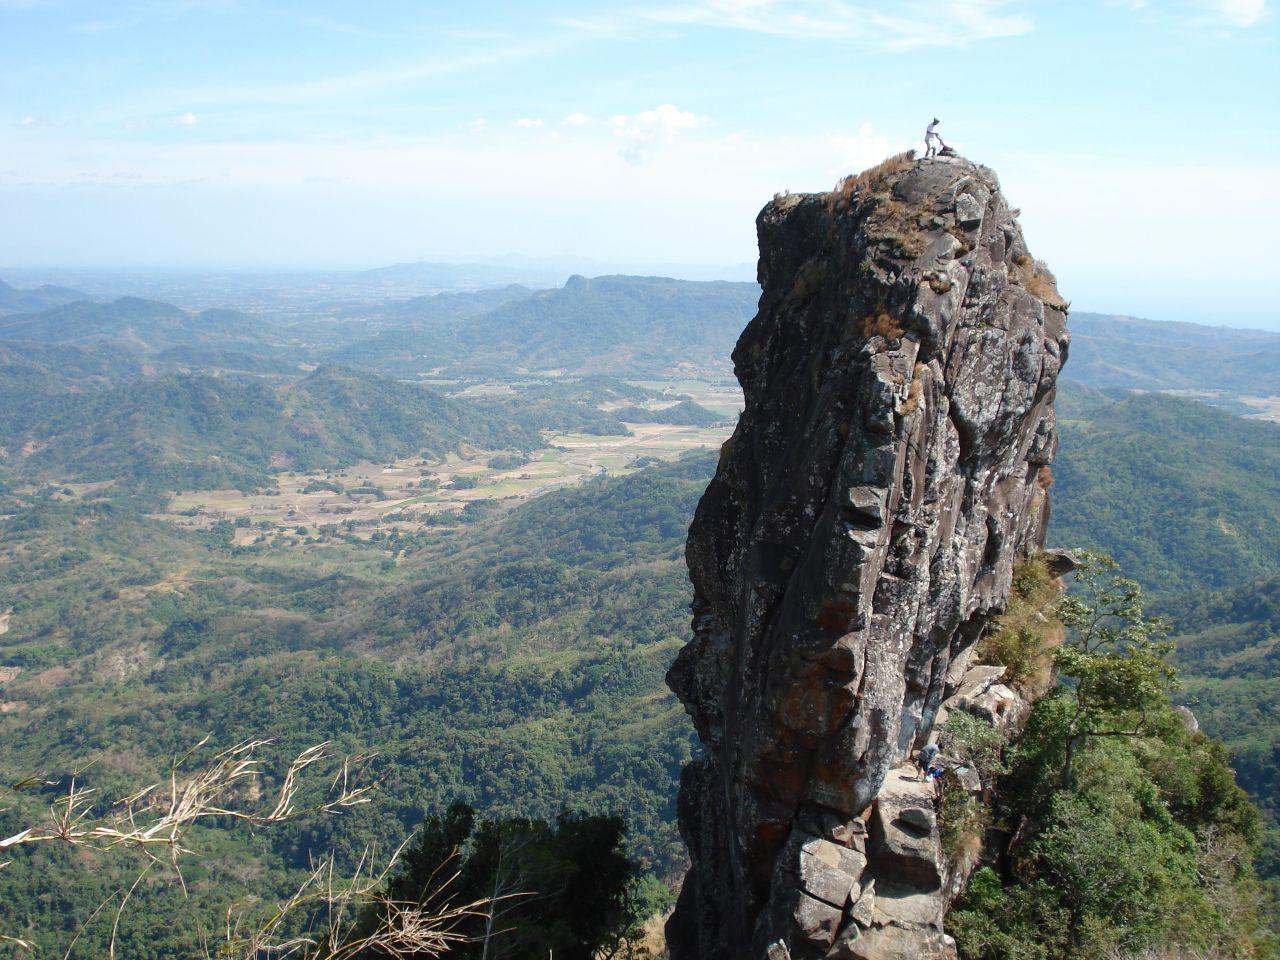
880, 323
870, 180
156, 819
331, 908
1023, 638
1039, 282
915, 393
894, 220
159, 815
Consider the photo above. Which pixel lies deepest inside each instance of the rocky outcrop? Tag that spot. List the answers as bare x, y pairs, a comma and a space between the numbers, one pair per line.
859, 533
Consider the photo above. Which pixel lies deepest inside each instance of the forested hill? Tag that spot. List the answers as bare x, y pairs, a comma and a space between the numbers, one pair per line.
632, 325
515, 662
147, 326
15, 300
439, 308
1229, 650
1136, 354
194, 431
1185, 496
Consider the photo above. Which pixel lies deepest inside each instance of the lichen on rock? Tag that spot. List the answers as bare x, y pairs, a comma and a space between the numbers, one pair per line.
859, 533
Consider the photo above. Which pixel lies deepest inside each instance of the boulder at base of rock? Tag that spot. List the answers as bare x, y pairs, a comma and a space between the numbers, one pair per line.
904, 838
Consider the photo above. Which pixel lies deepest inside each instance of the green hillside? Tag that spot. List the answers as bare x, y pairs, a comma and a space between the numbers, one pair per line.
1186, 497
142, 325
1229, 648
685, 412
194, 431
519, 667
622, 325
1135, 354
19, 300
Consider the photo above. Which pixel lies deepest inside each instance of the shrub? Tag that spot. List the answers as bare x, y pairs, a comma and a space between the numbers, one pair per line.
961, 822
880, 323
1039, 282
1128, 833
1024, 637
895, 221
973, 742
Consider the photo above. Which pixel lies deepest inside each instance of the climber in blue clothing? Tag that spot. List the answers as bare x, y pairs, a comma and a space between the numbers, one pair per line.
927, 761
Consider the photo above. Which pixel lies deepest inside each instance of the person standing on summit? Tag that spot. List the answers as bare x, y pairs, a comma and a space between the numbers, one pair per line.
931, 139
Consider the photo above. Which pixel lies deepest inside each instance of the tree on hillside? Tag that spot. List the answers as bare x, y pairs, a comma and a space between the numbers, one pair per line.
565, 888
1123, 830
1115, 657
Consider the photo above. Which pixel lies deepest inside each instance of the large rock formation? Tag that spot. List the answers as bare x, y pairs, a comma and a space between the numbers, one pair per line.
889, 468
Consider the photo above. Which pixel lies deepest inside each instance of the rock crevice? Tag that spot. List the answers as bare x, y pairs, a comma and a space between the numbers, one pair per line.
859, 533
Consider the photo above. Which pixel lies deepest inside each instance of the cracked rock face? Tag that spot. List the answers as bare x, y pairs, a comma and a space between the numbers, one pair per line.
861, 529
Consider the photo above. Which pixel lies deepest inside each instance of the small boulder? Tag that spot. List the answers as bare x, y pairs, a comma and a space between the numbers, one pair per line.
816, 920
829, 871
863, 912
1189, 721
968, 211
904, 838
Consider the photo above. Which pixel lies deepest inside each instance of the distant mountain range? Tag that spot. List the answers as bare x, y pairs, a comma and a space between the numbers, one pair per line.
1137, 354
651, 326
194, 431
14, 300
146, 326
294, 290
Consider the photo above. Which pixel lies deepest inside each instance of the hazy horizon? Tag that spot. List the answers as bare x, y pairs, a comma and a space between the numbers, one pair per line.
230, 135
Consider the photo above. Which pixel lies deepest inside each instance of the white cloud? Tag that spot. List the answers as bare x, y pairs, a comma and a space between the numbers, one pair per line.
901, 24
529, 123
1242, 13
476, 125
576, 120
663, 121
187, 119
662, 124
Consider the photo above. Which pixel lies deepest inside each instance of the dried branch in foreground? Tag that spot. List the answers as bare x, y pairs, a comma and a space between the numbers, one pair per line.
347, 918
159, 815
156, 819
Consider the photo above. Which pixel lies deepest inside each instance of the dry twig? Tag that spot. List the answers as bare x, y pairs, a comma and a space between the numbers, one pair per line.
156, 819
331, 909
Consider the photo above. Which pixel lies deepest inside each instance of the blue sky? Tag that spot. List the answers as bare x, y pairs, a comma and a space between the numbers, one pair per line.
1140, 138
